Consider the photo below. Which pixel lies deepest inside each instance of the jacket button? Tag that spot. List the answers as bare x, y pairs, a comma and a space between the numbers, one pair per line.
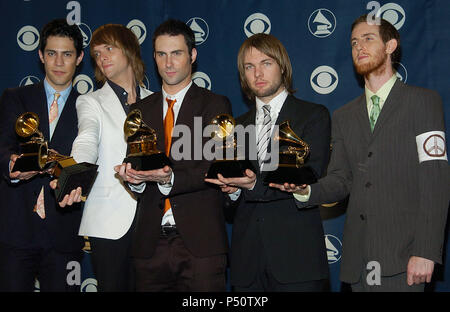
362, 217
368, 184
369, 155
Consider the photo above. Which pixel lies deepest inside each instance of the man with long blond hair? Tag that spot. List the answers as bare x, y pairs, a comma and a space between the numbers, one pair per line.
275, 246
110, 209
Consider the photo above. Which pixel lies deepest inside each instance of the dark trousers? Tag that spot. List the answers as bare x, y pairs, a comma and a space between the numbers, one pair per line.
111, 262
265, 281
174, 268
19, 267
395, 283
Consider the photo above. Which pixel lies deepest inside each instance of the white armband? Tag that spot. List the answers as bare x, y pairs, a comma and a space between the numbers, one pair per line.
431, 146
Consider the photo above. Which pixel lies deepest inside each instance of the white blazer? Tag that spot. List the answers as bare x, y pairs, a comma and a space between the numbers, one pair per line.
110, 208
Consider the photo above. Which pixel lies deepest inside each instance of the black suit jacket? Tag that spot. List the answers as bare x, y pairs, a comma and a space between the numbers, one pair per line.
293, 239
197, 206
19, 225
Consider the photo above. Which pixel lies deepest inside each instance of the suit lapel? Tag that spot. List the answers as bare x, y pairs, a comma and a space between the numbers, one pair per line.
67, 114
41, 110
250, 119
362, 117
391, 104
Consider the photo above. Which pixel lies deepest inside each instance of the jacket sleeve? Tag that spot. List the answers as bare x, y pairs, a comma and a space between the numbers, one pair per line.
10, 107
85, 145
336, 185
433, 175
190, 177
316, 132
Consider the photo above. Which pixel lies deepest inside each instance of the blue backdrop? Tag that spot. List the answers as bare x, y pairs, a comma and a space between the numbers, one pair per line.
316, 34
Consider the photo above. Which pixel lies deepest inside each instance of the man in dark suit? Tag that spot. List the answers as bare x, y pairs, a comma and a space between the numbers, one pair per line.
389, 155
37, 238
275, 246
180, 242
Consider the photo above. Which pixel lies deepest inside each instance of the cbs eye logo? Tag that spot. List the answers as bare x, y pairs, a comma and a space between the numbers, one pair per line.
200, 29
202, 80
139, 29
89, 285
393, 13
28, 38
83, 84
324, 79
257, 23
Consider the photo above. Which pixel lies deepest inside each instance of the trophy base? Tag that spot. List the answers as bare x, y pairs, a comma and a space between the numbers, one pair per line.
289, 174
27, 163
148, 162
229, 168
71, 177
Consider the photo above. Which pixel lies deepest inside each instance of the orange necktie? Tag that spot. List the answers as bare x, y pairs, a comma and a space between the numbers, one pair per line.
168, 127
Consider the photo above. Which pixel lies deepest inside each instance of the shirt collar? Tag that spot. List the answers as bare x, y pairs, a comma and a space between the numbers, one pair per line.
383, 92
178, 96
122, 94
275, 104
50, 93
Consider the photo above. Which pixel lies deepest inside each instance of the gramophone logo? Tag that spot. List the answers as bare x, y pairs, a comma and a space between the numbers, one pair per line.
401, 72
257, 23
86, 33
28, 80
200, 29
334, 248
202, 80
83, 84
393, 13
322, 23
28, 38
139, 29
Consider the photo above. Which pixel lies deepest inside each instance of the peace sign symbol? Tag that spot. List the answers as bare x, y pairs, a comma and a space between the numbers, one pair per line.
434, 146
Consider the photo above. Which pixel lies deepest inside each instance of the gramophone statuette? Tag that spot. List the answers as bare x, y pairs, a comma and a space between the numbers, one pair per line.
141, 139
36, 156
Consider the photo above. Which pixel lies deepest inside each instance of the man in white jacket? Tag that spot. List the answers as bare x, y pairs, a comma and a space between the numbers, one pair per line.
110, 209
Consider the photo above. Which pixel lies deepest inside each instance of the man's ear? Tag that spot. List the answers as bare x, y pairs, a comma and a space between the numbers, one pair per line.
80, 58
41, 56
391, 46
193, 55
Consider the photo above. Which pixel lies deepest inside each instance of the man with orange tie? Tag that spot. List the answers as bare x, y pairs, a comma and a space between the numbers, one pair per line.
37, 238
180, 242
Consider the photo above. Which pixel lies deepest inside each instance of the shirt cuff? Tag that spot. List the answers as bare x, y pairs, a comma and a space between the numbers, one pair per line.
303, 198
15, 180
138, 188
234, 196
166, 188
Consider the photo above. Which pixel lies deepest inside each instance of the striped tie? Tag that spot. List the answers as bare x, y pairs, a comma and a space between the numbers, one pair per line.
39, 207
264, 135
375, 111
168, 127
53, 114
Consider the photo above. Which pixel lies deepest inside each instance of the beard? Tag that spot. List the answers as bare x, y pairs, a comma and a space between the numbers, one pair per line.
373, 66
271, 90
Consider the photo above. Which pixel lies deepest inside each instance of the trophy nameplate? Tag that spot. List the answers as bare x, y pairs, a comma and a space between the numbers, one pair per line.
142, 152
231, 167
292, 161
